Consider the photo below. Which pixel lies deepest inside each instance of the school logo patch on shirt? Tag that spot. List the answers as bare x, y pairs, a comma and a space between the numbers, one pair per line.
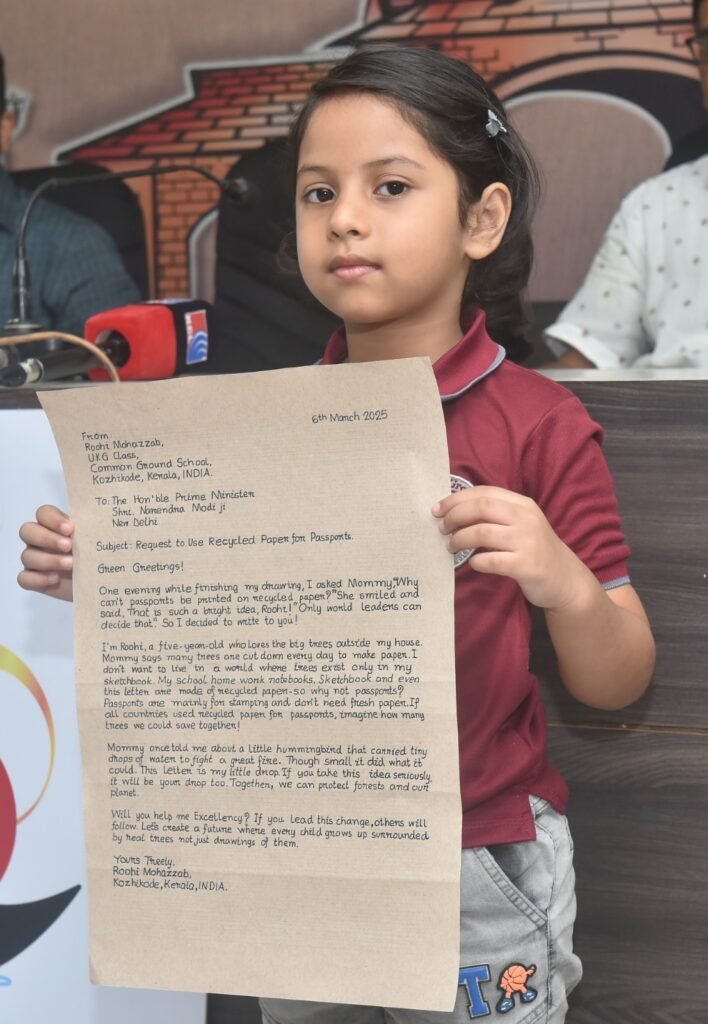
458, 483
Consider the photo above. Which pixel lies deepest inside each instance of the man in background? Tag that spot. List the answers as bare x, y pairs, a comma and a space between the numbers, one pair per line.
75, 269
644, 301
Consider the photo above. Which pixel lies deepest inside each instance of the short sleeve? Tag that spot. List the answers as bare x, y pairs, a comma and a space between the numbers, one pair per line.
605, 319
565, 472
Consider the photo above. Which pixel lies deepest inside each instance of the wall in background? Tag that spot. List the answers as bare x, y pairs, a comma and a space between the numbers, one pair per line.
600, 89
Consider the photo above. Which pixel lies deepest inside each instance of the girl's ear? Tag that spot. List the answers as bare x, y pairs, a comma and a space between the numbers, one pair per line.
487, 220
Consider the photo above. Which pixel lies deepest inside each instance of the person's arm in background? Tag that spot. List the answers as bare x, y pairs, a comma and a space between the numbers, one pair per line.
570, 360
85, 276
603, 325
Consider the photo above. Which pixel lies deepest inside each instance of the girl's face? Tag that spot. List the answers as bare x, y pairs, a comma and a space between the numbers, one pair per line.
379, 237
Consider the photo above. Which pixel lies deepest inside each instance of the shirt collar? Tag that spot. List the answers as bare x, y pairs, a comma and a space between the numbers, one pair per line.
472, 359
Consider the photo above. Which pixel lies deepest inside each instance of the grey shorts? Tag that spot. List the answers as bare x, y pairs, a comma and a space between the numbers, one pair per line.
516, 939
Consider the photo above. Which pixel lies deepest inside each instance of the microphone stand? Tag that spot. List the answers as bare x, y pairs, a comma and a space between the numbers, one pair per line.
21, 321
111, 353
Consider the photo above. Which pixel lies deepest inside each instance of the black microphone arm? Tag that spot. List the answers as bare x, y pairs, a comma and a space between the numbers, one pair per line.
60, 365
238, 189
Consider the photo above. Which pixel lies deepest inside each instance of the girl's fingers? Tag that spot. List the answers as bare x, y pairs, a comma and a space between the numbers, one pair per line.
37, 536
44, 561
54, 584
479, 493
496, 563
54, 519
40, 581
478, 509
47, 558
490, 536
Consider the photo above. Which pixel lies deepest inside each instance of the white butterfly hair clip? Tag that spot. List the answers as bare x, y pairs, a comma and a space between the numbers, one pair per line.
494, 125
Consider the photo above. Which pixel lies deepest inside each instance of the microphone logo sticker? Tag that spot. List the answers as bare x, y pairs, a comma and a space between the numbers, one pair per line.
197, 337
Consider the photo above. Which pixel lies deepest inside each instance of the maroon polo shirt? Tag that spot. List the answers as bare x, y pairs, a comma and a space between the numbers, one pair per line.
510, 427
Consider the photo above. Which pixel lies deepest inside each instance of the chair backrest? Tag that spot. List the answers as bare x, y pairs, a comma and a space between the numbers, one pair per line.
691, 147
110, 204
575, 138
264, 316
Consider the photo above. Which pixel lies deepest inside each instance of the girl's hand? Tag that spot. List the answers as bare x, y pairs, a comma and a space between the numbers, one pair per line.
517, 541
47, 558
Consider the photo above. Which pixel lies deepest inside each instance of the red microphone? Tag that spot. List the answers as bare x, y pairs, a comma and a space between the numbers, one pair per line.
147, 341
151, 340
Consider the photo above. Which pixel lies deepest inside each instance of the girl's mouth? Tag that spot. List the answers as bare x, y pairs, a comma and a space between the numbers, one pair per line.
352, 266
353, 271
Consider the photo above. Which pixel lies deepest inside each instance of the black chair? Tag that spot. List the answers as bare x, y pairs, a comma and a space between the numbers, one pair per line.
264, 316
691, 147
110, 204
540, 316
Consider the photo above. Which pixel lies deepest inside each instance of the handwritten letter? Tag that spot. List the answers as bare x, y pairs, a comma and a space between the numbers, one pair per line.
265, 679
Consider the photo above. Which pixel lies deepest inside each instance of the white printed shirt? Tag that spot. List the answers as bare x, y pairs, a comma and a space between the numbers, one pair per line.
645, 299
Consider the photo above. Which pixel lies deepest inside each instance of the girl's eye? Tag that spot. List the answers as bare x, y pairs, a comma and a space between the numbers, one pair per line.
392, 188
319, 195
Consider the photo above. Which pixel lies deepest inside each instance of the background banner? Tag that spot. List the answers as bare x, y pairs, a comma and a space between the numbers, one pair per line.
43, 932
602, 90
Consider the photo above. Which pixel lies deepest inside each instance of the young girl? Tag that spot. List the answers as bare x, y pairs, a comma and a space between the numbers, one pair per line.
413, 199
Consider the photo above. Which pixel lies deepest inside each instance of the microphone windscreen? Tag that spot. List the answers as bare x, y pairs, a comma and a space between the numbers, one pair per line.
164, 338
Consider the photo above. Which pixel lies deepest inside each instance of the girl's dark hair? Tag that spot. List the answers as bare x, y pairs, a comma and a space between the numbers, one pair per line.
449, 104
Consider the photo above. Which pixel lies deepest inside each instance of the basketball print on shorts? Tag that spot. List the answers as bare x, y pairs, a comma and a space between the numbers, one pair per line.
513, 982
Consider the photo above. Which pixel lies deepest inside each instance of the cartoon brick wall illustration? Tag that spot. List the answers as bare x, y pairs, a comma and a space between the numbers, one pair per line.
515, 44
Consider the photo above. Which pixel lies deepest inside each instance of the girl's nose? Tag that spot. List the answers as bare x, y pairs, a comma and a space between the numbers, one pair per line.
348, 218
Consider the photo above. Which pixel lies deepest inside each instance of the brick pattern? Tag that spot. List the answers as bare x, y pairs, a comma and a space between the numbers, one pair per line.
234, 109
237, 109
433, 22
182, 199
384, 10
